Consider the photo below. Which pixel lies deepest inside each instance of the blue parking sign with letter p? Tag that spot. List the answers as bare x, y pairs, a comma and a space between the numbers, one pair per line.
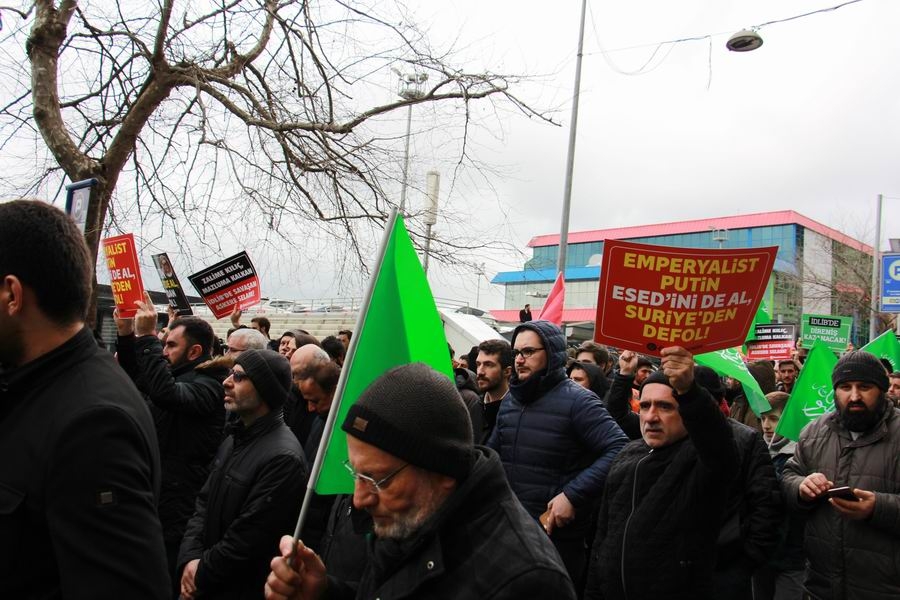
890, 283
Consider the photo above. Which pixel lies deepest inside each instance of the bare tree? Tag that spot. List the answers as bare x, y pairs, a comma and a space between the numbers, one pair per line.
839, 280
193, 113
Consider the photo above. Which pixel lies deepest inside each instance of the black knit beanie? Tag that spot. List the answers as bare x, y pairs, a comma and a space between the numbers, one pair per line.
270, 373
416, 414
656, 377
860, 366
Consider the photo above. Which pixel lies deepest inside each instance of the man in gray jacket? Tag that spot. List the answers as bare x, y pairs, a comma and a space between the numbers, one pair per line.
853, 543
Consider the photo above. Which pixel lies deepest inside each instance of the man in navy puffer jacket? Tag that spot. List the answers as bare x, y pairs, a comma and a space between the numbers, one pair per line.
556, 441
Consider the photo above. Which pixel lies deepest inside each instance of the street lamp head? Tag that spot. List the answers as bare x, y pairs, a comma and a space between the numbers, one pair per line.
411, 85
744, 41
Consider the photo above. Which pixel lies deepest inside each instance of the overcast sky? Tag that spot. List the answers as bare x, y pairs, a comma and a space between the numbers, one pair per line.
809, 122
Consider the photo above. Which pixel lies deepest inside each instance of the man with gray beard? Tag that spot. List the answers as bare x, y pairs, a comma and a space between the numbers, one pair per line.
446, 523
852, 537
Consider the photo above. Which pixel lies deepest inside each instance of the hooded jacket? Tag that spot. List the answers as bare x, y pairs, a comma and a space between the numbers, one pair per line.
599, 384
555, 436
854, 560
467, 387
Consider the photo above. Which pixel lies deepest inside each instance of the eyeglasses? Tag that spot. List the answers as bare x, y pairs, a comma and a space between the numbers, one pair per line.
376, 487
238, 376
525, 352
234, 350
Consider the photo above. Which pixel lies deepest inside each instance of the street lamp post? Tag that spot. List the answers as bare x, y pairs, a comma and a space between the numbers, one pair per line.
876, 276
570, 154
410, 87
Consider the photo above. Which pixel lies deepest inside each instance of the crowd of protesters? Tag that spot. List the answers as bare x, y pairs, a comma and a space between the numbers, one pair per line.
176, 469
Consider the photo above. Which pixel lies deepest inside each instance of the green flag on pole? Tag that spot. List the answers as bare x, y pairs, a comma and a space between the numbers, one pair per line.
813, 394
729, 363
885, 346
398, 324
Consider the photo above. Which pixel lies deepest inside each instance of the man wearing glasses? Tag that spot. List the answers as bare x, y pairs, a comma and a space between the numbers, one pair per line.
556, 442
253, 493
445, 521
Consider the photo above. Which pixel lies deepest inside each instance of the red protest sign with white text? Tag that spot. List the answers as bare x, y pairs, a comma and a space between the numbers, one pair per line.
124, 273
654, 296
226, 283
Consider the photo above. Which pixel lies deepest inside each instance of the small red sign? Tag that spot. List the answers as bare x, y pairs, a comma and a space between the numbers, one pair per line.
124, 273
232, 281
775, 350
704, 300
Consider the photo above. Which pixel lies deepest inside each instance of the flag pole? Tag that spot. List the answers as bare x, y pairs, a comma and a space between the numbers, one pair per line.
342, 381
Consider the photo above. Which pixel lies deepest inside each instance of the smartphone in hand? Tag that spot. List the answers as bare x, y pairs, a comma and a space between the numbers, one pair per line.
843, 492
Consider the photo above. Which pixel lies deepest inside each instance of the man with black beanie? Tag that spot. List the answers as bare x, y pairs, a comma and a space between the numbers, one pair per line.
446, 523
852, 540
253, 493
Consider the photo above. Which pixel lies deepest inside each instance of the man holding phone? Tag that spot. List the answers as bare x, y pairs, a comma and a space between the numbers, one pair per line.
846, 475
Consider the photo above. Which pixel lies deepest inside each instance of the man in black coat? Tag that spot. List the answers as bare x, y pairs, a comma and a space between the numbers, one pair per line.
253, 493
665, 495
183, 389
446, 522
79, 475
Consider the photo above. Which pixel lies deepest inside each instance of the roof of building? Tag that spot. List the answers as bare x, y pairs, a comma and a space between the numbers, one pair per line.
765, 219
587, 273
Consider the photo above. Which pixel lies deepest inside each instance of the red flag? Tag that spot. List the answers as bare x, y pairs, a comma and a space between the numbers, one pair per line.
553, 307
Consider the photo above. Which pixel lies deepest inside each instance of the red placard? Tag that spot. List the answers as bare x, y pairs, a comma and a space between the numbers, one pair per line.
124, 273
773, 341
704, 300
226, 283
775, 350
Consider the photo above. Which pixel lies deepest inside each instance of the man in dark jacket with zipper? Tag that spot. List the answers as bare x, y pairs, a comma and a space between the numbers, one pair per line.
852, 542
253, 493
446, 524
665, 497
185, 400
79, 475
556, 442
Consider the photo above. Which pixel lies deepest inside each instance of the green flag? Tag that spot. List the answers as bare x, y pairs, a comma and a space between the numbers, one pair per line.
885, 346
398, 324
729, 363
813, 394
762, 318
